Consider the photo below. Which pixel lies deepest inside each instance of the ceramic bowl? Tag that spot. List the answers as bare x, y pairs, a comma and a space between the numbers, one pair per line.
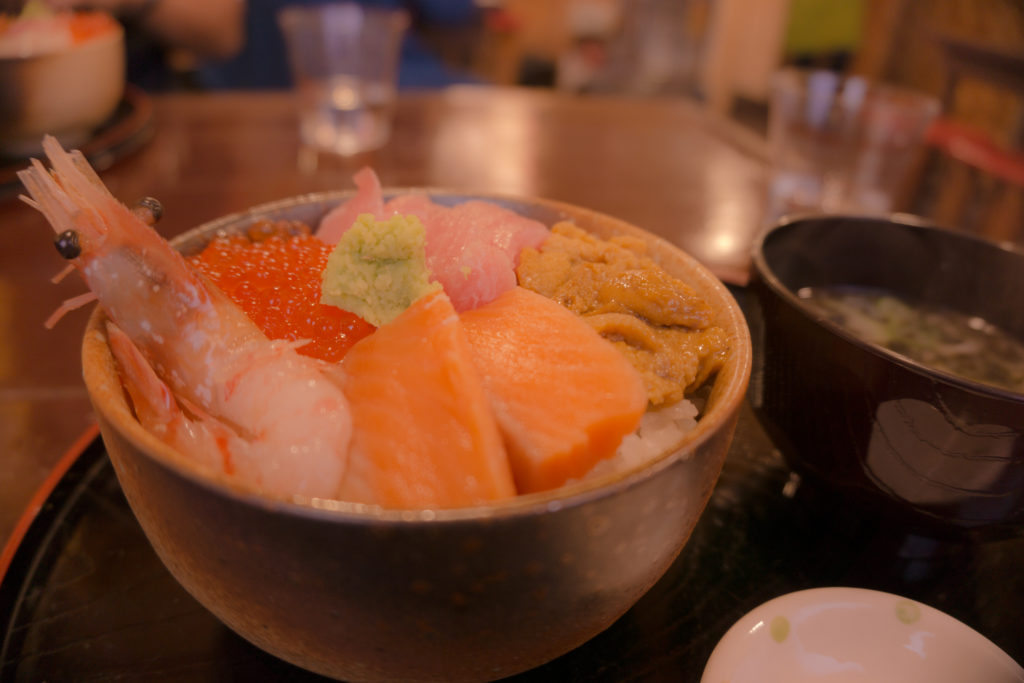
935, 452
67, 94
854, 635
422, 595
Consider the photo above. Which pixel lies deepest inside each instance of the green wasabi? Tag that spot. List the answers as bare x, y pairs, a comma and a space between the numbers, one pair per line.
378, 268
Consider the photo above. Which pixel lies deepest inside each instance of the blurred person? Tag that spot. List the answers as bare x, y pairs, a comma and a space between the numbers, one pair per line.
262, 62
157, 32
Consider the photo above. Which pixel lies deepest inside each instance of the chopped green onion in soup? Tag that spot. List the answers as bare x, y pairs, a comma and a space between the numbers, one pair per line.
940, 338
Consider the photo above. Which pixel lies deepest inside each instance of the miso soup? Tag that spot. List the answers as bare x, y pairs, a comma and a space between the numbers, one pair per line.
940, 338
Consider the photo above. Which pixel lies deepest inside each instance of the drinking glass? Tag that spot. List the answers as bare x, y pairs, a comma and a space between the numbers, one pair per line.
842, 144
344, 61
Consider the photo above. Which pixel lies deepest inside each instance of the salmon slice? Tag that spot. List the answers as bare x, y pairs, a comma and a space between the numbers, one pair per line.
563, 396
423, 431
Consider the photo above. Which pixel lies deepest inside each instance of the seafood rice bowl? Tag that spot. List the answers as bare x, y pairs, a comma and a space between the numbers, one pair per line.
61, 73
493, 423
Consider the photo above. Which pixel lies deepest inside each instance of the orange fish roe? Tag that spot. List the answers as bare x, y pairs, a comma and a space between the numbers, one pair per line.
87, 25
276, 281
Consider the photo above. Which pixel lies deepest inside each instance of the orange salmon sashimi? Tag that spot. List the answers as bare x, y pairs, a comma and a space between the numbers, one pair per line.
563, 396
423, 431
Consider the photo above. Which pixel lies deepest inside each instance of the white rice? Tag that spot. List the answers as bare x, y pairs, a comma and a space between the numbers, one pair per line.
659, 430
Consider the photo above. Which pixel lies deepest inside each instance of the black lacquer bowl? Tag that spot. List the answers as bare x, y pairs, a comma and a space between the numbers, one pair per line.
360, 593
939, 453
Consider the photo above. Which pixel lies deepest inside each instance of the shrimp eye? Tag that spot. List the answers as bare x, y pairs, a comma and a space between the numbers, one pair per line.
150, 210
68, 245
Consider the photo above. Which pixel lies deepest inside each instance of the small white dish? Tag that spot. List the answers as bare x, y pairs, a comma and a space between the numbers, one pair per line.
853, 635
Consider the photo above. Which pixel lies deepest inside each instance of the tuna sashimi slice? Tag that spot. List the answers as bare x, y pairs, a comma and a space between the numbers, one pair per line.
423, 431
368, 199
489, 222
472, 248
563, 396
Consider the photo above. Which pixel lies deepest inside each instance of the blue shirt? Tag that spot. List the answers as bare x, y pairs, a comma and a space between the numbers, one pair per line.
263, 62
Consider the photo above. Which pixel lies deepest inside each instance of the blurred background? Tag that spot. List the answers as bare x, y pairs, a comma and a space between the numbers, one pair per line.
721, 52
969, 54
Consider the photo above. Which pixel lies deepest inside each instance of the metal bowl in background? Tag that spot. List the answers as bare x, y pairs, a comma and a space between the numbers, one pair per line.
67, 94
938, 453
449, 595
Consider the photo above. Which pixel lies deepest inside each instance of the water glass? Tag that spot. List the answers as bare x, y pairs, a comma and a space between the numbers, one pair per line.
344, 61
842, 144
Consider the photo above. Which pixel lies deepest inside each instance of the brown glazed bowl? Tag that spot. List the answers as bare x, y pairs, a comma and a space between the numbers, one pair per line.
936, 453
67, 94
364, 594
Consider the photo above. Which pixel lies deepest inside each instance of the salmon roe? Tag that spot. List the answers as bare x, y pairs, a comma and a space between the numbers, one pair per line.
274, 275
85, 26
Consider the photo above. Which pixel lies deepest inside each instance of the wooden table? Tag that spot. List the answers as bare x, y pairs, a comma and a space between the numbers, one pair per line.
662, 164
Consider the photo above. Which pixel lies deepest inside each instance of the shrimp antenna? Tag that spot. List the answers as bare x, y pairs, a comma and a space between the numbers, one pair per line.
47, 194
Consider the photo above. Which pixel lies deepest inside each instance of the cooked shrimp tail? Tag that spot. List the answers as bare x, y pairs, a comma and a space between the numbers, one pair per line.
157, 409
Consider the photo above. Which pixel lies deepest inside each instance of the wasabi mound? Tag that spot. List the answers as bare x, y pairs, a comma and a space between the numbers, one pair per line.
378, 268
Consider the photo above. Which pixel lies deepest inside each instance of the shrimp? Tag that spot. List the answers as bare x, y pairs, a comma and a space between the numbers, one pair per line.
208, 441
287, 418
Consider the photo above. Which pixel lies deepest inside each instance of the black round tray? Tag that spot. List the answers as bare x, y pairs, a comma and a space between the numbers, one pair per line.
128, 128
86, 598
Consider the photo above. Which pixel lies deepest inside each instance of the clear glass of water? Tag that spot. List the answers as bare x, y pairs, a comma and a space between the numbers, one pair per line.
841, 144
344, 61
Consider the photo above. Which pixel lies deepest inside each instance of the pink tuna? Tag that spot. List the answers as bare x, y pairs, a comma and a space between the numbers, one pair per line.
472, 248
367, 199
